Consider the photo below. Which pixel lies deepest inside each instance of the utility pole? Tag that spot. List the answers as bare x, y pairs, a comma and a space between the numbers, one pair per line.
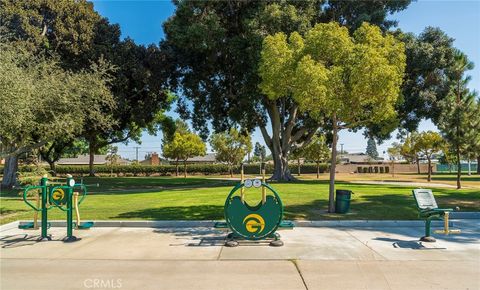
341, 152
136, 152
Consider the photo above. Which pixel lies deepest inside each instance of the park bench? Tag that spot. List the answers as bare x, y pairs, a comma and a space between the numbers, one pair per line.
429, 210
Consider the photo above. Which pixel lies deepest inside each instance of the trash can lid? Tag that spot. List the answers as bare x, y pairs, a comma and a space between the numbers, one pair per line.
343, 191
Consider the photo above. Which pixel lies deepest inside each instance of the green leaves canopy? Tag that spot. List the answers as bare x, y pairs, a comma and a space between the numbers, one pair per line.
184, 146
357, 77
40, 101
429, 143
231, 147
317, 150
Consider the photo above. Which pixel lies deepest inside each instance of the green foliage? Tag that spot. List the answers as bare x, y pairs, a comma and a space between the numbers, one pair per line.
66, 27
213, 51
394, 151
184, 146
329, 72
459, 119
231, 147
163, 170
372, 148
429, 143
317, 151
259, 152
41, 102
409, 149
430, 56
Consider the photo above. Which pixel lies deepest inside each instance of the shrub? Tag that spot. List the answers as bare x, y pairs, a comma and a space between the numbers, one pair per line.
147, 170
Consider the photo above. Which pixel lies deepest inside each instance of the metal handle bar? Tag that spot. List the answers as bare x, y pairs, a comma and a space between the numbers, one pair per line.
27, 189
84, 188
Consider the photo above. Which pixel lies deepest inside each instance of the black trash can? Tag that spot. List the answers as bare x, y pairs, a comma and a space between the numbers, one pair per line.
342, 200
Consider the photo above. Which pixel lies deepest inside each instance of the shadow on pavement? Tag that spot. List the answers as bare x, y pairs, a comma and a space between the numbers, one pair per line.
414, 245
197, 237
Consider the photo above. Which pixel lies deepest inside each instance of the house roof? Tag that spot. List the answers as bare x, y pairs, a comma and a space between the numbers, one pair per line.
85, 160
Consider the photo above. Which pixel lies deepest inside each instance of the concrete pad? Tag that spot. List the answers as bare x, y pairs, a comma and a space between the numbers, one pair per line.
147, 274
375, 257
305, 243
117, 243
390, 275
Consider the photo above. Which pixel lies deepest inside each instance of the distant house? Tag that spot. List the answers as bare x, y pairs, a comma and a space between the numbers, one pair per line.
85, 160
359, 158
209, 158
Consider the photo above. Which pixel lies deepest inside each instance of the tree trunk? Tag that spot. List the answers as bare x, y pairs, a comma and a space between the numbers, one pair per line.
52, 166
333, 163
478, 165
459, 168
299, 171
185, 168
469, 167
280, 169
91, 152
10, 172
176, 168
429, 168
230, 168
318, 170
284, 135
418, 164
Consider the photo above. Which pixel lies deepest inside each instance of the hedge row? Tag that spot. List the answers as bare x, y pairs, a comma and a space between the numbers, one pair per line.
171, 169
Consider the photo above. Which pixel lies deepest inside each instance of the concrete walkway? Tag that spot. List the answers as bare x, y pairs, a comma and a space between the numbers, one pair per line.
369, 257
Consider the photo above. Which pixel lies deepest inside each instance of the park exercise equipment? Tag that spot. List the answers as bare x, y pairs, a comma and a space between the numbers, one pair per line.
256, 222
428, 210
54, 194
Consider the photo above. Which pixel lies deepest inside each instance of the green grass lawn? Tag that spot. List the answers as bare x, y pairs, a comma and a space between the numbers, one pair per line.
169, 198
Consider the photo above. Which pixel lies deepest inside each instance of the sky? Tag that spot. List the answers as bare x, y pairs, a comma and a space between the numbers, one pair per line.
142, 21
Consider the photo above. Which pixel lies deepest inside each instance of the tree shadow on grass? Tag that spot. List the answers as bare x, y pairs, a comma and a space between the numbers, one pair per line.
198, 212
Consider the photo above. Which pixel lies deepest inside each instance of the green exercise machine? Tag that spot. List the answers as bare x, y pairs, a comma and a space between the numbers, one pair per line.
257, 222
429, 210
66, 196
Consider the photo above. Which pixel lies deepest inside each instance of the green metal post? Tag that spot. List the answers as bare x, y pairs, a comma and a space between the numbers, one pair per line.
43, 183
70, 237
428, 222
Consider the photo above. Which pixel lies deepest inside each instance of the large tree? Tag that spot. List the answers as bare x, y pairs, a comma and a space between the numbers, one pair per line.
213, 48
41, 102
458, 120
78, 35
352, 81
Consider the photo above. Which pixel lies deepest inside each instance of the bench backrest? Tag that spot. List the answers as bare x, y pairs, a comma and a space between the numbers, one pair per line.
424, 199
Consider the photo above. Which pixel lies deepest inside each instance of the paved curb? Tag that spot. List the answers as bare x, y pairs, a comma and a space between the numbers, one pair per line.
211, 223
9, 226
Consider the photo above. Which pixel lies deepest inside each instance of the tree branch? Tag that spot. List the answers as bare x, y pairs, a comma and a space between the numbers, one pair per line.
23, 149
